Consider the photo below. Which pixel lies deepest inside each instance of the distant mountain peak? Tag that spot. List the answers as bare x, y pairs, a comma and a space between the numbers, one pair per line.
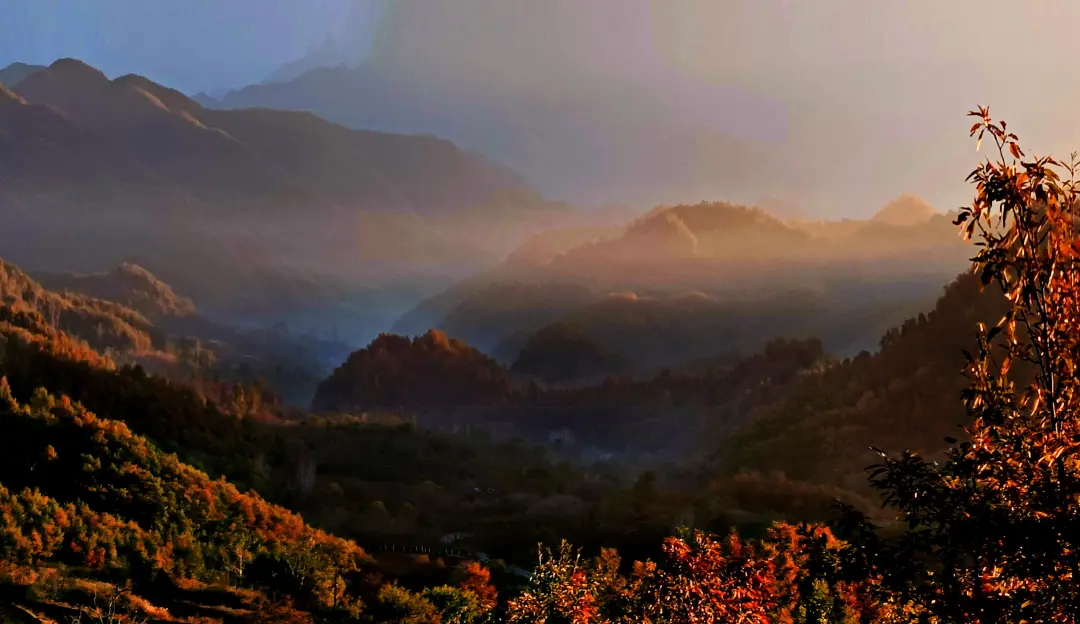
21, 67
170, 98
86, 94
671, 226
15, 73
906, 209
75, 68
205, 100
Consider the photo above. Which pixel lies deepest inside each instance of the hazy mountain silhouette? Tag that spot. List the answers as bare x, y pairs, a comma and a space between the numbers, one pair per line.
703, 280
702, 246
99, 172
581, 134
326, 55
254, 157
650, 104
15, 73
905, 210
486, 316
344, 46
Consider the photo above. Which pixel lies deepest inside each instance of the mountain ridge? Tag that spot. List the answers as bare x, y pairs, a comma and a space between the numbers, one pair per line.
566, 148
907, 209
98, 172
158, 124
742, 263
14, 73
128, 284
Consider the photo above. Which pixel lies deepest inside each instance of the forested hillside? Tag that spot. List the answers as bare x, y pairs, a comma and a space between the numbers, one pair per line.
169, 337
129, 285
901, 397
99, 502
154, 534
431, 370
592, 409
97, 514
559, 353
103, 324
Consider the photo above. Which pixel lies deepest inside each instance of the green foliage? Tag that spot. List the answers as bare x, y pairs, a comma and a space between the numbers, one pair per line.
456, 605
396, 604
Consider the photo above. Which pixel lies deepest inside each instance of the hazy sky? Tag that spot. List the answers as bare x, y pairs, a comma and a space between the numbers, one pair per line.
191, 45
877, 86
873, 92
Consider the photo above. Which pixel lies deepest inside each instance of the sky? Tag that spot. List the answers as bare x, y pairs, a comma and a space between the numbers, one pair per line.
872, 93
879, 88
191, 45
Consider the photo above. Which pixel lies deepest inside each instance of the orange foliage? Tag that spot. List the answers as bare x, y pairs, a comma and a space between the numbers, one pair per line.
780, 579
990, 533
477, 579
142, 509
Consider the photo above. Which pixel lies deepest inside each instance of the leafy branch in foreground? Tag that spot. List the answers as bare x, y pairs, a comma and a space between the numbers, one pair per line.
992, 534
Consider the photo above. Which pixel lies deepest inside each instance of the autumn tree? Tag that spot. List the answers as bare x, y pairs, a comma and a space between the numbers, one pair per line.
992, 533
701, 578
475, 578
564, 588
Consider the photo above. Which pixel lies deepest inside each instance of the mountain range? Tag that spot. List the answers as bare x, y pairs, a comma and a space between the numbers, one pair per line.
268, 215
97, 172
692, 281
578, 133
13, 74
569, 149
183, 154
